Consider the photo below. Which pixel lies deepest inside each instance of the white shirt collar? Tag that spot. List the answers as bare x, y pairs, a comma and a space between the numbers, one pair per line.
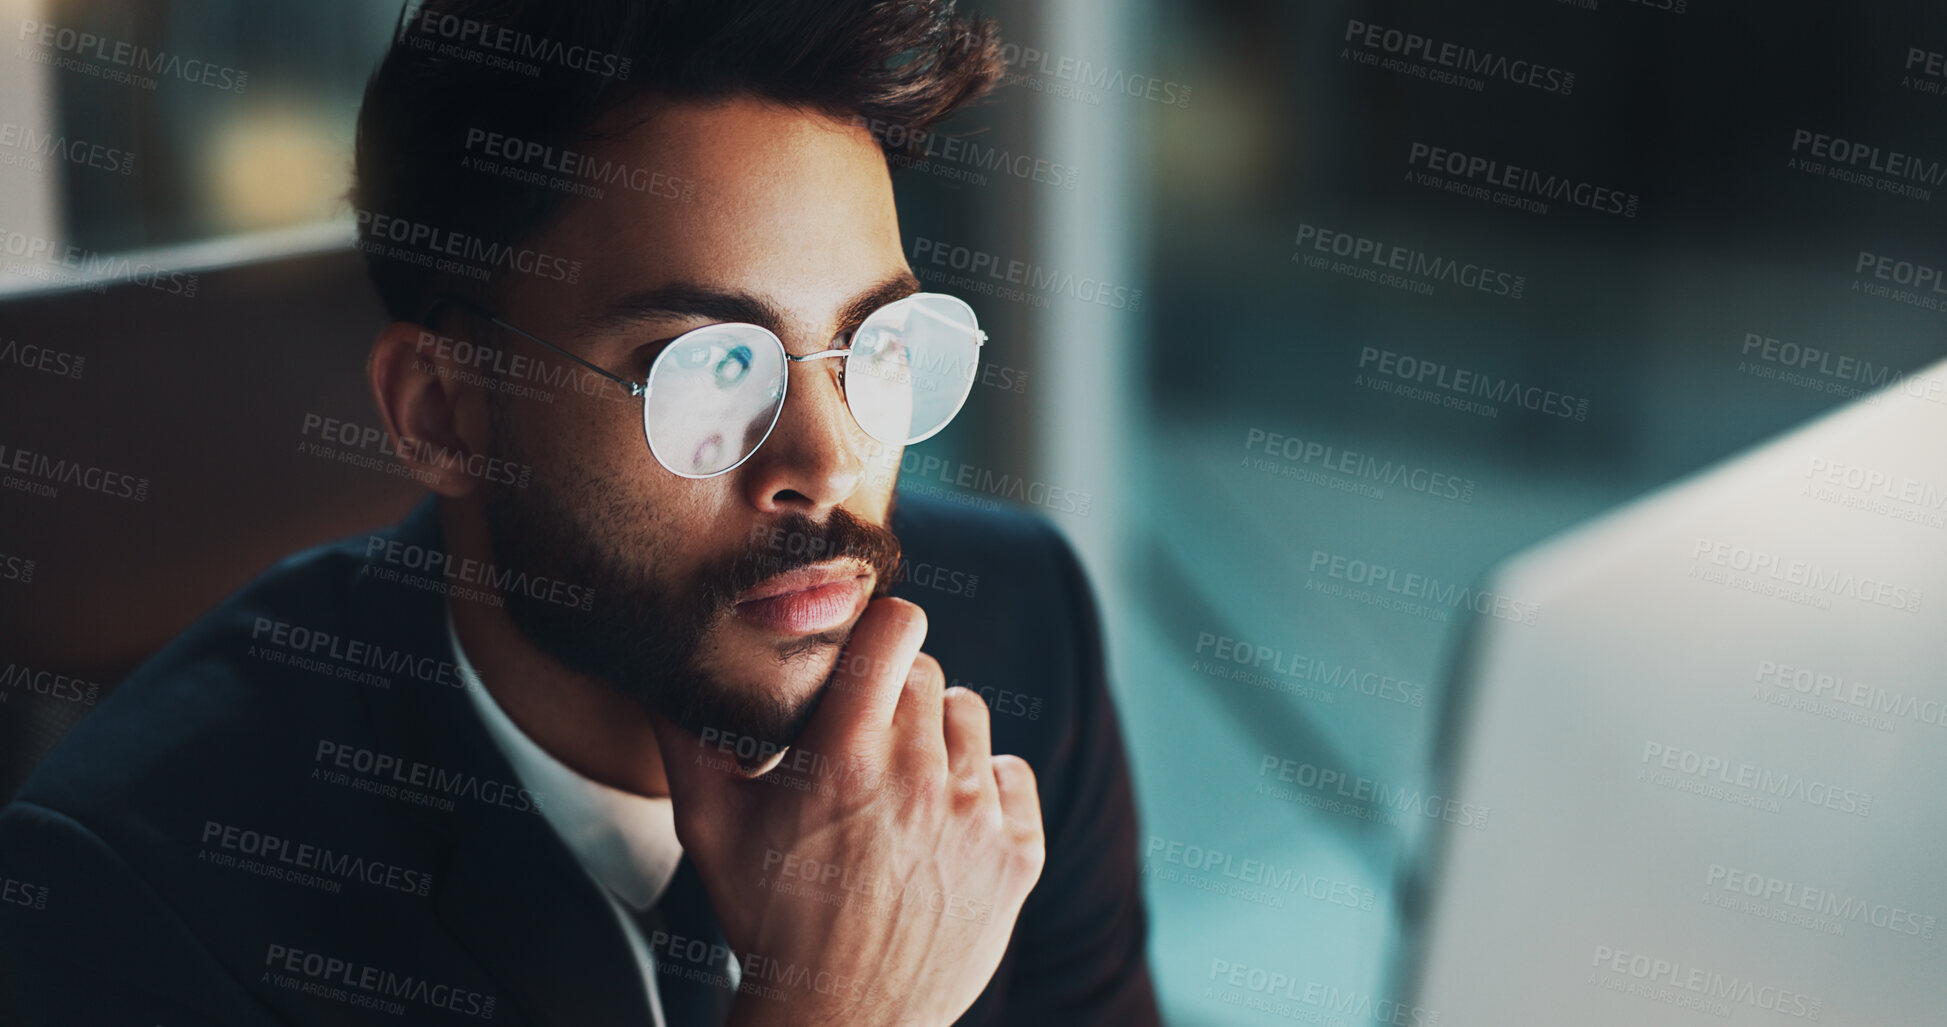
626, 842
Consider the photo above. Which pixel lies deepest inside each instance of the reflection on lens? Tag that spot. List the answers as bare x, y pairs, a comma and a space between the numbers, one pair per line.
709, 453
911, 366
733, 367
714, 394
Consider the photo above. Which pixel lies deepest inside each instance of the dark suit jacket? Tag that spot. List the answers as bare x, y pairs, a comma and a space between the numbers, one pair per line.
293, 815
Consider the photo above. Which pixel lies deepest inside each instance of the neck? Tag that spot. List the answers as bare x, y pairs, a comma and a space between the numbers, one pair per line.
590, 727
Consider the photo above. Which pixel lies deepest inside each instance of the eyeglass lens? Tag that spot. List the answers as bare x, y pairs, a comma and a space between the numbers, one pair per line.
715, 393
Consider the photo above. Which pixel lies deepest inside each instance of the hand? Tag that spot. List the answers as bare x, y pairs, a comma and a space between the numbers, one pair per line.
874, 876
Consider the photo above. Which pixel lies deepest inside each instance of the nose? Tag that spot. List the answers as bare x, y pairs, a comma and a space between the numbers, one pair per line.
810, 463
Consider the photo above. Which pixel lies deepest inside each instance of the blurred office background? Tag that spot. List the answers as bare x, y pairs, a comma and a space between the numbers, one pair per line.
1182, 160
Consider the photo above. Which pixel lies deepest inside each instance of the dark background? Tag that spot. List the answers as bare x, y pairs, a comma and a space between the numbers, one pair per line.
1146, 407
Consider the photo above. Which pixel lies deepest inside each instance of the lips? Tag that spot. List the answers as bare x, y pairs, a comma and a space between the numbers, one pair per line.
806, 600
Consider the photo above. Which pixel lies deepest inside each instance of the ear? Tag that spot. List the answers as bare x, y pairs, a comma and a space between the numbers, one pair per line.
439, 425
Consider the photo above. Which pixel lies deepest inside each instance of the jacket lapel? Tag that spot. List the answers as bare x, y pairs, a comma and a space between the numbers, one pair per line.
513, 895
516, 899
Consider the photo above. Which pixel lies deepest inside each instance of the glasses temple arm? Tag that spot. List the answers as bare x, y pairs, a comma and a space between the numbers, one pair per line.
635, 388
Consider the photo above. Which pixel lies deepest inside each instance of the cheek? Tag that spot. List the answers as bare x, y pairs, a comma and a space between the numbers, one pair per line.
678, 525
880, 475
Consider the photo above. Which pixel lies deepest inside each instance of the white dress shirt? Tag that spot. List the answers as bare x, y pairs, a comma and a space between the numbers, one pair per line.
626, 842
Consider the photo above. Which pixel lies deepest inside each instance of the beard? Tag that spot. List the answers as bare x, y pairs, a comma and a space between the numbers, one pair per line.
645, 636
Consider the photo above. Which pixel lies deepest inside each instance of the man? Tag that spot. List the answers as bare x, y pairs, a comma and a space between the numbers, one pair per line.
620, 727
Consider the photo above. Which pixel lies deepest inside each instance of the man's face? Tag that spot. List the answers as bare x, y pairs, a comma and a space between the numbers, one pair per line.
723, 601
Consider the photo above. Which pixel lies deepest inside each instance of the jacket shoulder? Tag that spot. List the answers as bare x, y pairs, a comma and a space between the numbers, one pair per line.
233, 696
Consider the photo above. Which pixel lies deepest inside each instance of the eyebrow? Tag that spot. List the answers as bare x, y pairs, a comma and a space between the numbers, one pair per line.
690, 299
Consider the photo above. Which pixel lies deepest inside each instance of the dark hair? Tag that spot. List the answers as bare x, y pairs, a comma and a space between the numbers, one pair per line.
544, 71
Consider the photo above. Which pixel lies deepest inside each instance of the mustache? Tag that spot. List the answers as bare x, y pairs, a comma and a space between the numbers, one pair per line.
795, 541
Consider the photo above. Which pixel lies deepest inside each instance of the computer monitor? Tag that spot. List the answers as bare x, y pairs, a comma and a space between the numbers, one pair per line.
1715, 766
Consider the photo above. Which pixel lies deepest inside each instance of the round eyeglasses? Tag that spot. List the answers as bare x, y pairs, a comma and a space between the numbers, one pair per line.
714, 393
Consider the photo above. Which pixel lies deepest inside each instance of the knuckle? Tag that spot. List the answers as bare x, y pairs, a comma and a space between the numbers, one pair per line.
967, 793
962, 702
1016, 771
1026, 832
926, 674
1028, 855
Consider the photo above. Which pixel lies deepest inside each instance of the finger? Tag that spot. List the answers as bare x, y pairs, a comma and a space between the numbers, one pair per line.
917, 731
856, 711
1020, 802
969, 737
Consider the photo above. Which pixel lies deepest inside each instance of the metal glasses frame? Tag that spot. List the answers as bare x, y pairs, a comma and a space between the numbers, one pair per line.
641, 388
